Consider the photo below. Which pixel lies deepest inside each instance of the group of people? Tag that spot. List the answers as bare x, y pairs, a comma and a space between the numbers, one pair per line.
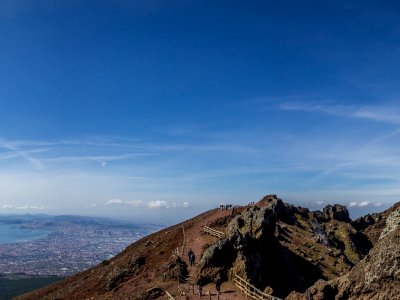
225, 206
191, 257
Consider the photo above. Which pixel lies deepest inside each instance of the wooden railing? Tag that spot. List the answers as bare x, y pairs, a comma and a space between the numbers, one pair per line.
176, 252
250, 291
184, 240
214, 232
169, 297
211, 297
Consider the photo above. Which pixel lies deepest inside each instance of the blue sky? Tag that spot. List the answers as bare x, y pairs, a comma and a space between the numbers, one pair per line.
149, 108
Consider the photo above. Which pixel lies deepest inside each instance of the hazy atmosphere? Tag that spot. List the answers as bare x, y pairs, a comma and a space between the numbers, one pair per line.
166, 108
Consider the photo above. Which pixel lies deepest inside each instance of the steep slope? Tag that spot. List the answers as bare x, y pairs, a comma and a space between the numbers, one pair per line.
144, 270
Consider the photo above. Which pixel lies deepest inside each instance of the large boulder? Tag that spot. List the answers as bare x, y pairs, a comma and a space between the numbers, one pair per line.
256, 222
336, 212
222, 257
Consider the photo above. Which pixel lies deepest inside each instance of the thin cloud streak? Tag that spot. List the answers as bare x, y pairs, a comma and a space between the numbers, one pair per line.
153, 204
223, 166
383, 113
100, 158
36, 163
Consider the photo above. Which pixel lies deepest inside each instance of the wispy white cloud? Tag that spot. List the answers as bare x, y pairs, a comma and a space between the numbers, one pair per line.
101, 159
228, 165
381, 113
387, 114
40, 153
26, 155
158, 204
319, 203
114, 201
365, 204
154, 204
25, 207
132, 203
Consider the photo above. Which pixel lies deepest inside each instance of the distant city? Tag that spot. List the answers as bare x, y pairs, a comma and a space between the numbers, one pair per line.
72, 243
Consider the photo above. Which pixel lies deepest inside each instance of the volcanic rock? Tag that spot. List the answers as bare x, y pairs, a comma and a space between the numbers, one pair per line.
377, 276
336, 212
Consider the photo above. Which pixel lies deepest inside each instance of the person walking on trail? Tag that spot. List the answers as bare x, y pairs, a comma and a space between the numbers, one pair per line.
192, 257
190, 253
192, 260
218, 284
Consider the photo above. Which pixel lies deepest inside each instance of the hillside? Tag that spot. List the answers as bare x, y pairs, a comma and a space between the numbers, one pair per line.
279, 248
12, 285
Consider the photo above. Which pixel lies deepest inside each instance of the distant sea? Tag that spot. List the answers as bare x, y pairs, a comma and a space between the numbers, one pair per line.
13, 234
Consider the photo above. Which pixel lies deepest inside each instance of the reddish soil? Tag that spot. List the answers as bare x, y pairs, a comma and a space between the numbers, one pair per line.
198, 240
157, 249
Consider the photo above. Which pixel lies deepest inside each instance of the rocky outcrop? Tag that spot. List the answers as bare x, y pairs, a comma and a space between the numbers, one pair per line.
223, 257
352, 244
392, 222
372, 225
377, 276
336, 212
365, 221
252, 250
255, 222
175, 268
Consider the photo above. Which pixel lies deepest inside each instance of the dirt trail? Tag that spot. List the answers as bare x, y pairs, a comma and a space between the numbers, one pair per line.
196, 239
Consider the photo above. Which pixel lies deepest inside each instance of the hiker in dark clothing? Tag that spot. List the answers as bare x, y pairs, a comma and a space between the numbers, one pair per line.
192, 260
218, 284
190, 253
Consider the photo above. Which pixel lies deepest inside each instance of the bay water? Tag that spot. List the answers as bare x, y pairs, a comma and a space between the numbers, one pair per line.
14, 234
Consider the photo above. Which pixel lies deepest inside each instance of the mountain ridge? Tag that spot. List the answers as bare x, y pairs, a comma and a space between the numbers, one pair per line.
299, 245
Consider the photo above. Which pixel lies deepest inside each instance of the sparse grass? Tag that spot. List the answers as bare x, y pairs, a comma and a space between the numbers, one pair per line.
342, 234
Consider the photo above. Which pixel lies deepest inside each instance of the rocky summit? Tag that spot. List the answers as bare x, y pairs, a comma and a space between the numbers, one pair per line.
280, 249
